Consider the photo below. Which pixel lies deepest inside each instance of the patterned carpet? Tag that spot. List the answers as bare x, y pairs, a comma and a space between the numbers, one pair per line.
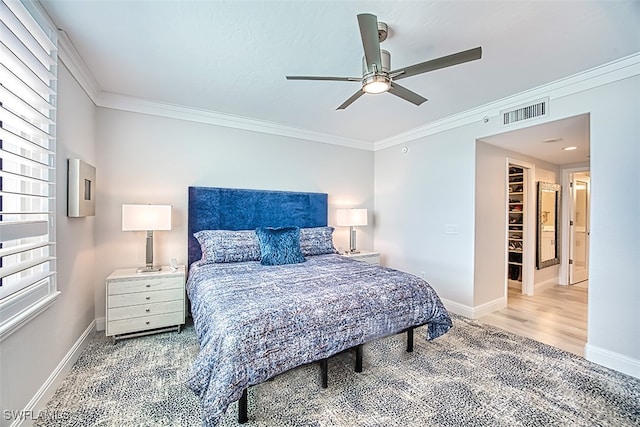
475, 375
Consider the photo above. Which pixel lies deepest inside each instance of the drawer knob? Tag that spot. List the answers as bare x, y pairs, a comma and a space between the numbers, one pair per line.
148, 298
148, 285
147, 322
148, 310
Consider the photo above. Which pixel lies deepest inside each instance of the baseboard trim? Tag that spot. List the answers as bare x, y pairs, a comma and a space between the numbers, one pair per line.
545, 284
42, 396
613, 360
477, 311
457, 308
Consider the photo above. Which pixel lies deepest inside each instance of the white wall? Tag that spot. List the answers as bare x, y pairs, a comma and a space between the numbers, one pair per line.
434, 184
614, 275
30, 356
149, 159
490, 222
490, 225
419, 194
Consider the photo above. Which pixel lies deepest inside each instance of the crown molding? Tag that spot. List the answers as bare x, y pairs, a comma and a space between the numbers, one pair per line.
139, 105
608, 73
71, 58
613, 71
69, 55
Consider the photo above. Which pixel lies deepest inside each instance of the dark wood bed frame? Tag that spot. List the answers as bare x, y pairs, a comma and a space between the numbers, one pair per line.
213, 208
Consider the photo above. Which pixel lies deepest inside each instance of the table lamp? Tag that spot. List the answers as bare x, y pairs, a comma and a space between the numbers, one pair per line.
351, 218
147, 218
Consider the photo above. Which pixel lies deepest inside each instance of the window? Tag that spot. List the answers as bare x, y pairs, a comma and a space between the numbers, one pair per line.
27, 163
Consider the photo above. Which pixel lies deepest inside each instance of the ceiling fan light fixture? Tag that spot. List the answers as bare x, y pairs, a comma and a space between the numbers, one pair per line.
377, 75
377, 83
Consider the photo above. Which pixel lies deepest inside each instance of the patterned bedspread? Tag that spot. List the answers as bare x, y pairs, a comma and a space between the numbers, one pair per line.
254, 322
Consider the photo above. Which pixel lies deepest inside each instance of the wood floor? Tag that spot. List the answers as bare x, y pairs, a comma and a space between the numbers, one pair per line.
555, 315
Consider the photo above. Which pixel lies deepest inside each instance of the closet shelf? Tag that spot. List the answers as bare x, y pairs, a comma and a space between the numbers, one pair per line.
516, 205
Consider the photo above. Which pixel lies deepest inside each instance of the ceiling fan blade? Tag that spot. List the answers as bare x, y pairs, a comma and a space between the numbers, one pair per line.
339, 79
436, 64
406, 94
369, 33
349, 101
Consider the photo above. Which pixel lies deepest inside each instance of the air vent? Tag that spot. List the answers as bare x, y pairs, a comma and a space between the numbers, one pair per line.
532, 110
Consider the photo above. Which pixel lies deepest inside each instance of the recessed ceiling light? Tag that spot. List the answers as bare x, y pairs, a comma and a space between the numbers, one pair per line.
570, 148
552, 140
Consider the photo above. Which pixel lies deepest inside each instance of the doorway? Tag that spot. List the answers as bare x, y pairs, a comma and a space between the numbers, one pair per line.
520, 226
580, 186
544, 146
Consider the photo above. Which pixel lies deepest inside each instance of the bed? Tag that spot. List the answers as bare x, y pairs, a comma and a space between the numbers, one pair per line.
255, 321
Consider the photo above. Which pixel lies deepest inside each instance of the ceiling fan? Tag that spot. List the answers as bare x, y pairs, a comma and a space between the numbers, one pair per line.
376, 74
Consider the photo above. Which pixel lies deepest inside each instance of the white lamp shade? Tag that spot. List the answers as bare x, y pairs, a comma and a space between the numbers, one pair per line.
146, 217
351, 217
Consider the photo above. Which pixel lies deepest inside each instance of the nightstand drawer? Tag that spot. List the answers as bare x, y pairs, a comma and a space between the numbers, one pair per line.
126, 312
371, 259
138, 298
116, 327
368, 257
152, 283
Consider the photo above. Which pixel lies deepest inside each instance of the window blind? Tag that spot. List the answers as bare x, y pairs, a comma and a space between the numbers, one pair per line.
28, 72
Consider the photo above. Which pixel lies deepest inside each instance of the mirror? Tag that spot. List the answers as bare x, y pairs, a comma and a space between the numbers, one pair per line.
548, 224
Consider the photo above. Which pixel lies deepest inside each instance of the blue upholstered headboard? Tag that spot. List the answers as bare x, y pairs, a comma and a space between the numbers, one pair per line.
235, 209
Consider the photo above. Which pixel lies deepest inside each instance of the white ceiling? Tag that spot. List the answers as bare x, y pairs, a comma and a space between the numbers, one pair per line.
547, 141
231, 57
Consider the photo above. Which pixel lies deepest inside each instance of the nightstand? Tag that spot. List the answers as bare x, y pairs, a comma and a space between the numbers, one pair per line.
370, 257
144, 303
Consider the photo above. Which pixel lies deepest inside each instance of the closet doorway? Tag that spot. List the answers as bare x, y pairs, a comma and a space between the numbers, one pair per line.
520, 226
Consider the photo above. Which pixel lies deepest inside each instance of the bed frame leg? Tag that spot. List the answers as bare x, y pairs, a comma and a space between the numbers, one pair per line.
242, 408
410, 340
358, 358
324, 366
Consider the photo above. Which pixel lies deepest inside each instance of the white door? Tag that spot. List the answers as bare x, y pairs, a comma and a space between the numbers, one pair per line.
579, 229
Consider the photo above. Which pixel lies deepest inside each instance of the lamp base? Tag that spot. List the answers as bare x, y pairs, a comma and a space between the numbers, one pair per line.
352, 241
148, 269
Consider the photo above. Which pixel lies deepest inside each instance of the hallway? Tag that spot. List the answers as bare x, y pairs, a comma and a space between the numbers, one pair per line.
556, 315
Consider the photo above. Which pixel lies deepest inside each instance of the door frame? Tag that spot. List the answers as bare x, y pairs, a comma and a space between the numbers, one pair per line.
579, 177
567, 209
529, 247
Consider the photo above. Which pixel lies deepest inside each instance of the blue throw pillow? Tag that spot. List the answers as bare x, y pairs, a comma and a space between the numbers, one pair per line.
280, 245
